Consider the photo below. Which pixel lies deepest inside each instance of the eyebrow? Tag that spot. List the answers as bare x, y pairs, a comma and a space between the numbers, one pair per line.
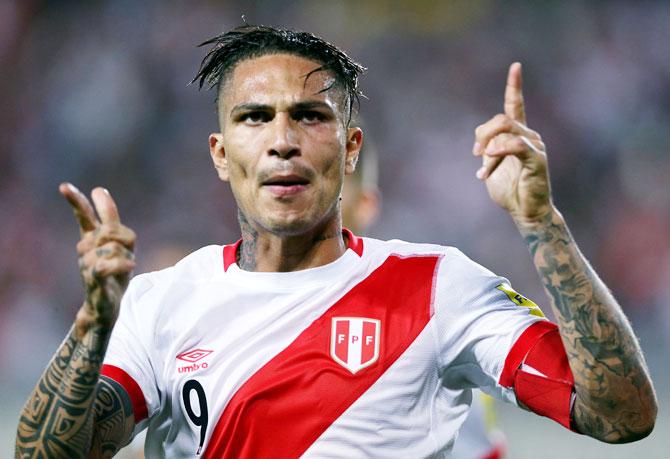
307, 105
249, 107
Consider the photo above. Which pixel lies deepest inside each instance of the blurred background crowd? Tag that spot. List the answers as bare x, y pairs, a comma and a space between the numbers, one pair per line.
96, 92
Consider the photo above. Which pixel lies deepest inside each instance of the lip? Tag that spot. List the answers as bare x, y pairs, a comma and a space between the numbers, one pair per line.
285, 190
285, 184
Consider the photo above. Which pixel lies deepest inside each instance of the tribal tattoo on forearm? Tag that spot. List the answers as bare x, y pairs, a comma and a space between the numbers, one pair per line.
58, 419
113, 418
614, 393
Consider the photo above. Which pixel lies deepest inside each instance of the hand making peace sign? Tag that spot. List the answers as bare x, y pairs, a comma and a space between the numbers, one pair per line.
514, 158
105, 252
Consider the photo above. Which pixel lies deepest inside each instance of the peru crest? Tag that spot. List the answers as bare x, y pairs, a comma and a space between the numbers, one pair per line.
354, 342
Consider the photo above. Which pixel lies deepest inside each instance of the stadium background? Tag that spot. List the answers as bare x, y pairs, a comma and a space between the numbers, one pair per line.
96, 92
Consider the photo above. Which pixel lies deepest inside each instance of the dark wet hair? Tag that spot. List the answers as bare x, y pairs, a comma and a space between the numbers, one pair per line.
249, 41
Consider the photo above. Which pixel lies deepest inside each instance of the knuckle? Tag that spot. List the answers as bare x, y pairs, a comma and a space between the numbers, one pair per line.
501, 118
112, 246
131, 234
518, 125
81, 247
127, 235
84, 244
88, 259
533, 134
100, 268
107, 231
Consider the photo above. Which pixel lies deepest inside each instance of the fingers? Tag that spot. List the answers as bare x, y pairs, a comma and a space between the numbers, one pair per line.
106, 246
502, 145
111, 232
105, 205
514, 106
499, 124
109, 259
519, 146
83, 211
490, 165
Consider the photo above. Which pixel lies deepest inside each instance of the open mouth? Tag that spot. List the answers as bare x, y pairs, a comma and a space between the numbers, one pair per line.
286, 180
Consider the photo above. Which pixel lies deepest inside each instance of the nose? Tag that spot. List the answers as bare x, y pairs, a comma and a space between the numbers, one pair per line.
284, 137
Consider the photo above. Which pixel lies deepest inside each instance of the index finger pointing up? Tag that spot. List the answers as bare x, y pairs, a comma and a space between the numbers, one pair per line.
514, 107
105, 205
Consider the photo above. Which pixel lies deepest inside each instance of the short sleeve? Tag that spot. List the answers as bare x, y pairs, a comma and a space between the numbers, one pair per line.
479, 317
127, 360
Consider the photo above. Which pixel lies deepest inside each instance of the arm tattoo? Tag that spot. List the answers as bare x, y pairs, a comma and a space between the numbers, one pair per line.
60, 416
113, 418
615, 398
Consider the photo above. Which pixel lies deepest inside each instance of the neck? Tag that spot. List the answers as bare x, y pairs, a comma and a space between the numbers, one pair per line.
263, 251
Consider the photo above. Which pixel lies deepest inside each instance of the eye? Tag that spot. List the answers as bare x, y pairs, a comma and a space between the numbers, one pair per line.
254, 118
309, 116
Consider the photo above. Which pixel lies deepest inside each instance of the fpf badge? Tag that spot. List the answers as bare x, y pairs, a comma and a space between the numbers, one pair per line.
354, 342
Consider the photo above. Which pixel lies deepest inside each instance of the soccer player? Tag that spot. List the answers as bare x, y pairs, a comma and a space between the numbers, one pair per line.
302, 339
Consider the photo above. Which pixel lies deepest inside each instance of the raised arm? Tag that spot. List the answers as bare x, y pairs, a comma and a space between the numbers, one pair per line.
73, 411
615, 400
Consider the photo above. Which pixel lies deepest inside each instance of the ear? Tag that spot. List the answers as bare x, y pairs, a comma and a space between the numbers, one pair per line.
353, 148
218, 154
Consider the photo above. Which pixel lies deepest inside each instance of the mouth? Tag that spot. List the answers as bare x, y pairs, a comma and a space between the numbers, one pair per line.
285, 185
285, 180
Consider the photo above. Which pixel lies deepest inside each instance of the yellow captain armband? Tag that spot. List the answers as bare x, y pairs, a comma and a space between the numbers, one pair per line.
520, 300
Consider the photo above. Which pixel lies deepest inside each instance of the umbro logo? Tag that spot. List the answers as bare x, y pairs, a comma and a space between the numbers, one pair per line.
193, 356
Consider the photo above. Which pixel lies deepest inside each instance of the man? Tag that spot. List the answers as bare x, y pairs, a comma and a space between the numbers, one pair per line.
304, 339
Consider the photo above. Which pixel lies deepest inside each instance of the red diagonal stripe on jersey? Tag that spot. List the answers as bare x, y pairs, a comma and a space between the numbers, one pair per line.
289, 402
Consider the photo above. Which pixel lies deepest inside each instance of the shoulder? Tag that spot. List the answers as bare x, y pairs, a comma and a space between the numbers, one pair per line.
198, 266
454, 272
452, 260
201, 264
402, 248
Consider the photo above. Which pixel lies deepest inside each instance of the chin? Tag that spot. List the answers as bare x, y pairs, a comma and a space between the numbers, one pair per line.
297, 221
289, 226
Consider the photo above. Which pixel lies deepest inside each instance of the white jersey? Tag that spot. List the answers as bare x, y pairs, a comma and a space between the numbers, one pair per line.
372, 355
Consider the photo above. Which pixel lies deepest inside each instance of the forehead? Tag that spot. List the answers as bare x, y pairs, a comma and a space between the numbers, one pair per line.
277, 77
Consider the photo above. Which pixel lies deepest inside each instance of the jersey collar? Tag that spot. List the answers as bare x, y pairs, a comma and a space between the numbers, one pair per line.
354, 243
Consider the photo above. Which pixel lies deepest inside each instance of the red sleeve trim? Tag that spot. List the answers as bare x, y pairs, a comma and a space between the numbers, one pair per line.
354, 242
521, 347
132, 388
230, 254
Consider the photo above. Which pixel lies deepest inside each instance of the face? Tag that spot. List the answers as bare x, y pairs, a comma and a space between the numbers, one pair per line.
284, 146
